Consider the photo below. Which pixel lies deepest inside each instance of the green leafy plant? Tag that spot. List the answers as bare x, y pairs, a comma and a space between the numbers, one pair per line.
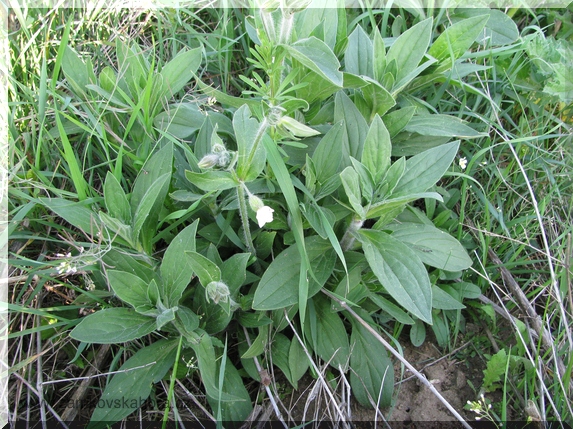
245, 209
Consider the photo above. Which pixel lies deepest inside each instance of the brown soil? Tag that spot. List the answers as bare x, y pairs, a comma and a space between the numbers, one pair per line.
413, 400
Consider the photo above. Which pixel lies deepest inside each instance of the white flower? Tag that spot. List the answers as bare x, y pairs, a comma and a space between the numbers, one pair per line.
463, 163
264, 215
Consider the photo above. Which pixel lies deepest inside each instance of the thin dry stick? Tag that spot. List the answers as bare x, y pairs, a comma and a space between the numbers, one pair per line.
320, 376
547, 252
529, 356
267, 388
71, 413
40, 372
420, 376
33, 390
188, 393
526, 307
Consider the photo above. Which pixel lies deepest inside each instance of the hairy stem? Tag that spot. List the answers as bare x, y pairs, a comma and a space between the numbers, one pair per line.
245, 219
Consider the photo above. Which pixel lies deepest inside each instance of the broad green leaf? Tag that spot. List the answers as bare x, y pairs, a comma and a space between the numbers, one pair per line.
175, 269
500, 29
496, 368
315, 215
351, 184
279, 285
107, 79
392, 177
234, 271
408, 50
248, 132
212, 180
372, 374
138, 265
280, 347
379, 55
441, 330
425, 169
214, 317
366, 180
444, 301
132, 67
314, 88
239, 407
352, 81
164, 317
377, 149
177, 72
441, 125
118, 229
328, 154
356, 126
390, 308
433, 246
78, 73
258, 345
328, 334
150, 204
113, 325
116, 200
378, 98
186, 321
383, 206
206, 270
297, 361
286, 185
159, 164
410, 144
129, 287
75, 213
467, 290
456, 40
418, 333
318, 14
397, 120
184, 119
317, 56
130, 387
207, 363
359, 55
399, 271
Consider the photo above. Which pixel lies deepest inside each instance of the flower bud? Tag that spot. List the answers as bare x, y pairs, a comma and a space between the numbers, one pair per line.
217, 291
255, 202
208, 161
296, 128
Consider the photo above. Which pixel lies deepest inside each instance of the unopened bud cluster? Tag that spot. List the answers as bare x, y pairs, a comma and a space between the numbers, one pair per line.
217, 292
219, 156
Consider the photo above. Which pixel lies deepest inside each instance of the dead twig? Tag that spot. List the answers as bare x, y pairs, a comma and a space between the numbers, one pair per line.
407, 364
71, 412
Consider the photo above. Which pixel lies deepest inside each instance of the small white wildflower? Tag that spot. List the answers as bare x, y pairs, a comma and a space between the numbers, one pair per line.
211, 101
264, 215
67, 268
463, 163
484, 163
